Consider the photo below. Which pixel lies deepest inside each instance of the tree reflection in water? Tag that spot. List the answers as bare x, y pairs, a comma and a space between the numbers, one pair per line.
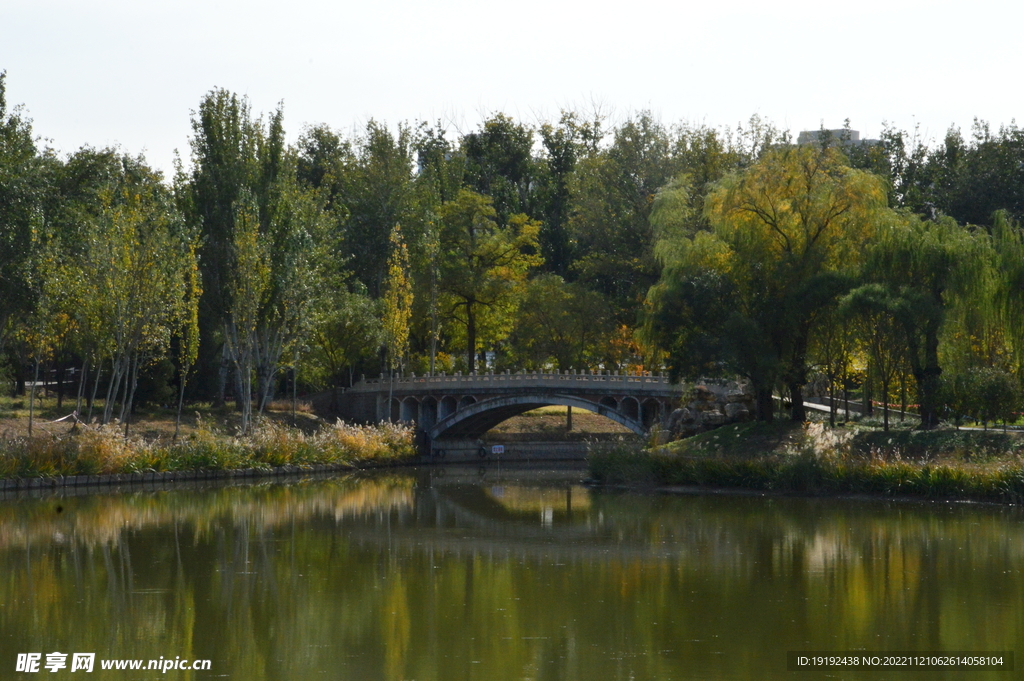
500, 576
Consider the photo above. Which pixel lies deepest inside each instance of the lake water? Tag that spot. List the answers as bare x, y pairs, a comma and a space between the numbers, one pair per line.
493, 574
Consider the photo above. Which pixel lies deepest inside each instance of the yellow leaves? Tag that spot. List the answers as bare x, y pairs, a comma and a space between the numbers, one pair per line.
252, 271
398, 297
799, 206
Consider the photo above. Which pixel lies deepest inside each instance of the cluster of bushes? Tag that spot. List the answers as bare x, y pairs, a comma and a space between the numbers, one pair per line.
983, 395
105, 451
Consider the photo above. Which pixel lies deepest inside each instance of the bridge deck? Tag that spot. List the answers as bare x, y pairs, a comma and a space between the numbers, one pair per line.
574, 383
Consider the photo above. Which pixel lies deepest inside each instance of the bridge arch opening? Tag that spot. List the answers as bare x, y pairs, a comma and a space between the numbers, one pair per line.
410, 409
609, 401
474, 419
651, 412
630, 407
448, 406
466, 401
428, 413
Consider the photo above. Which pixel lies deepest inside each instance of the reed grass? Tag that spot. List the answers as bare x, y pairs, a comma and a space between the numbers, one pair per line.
105, 451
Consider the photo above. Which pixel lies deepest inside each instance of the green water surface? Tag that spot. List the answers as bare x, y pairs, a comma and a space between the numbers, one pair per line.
494, 574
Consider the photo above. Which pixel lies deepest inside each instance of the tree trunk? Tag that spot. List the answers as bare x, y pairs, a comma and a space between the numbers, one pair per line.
116, 370
832, 401
885, 405
470, 338
866, 407
765, 404
131, 395
60, 385
568, 419
928, 378
181, 402
797, 411
903, 396
32, 399
295, 384
82, 380
222, 377
95, 387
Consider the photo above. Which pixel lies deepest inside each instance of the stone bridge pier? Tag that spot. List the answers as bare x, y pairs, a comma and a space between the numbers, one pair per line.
461, 408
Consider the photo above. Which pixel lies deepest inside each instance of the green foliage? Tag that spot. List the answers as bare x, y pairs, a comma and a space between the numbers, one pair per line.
613, 192
741, 244
499, 164
236, 160
563, 325
983, 394
788, 234
23, 185
346, 330
154, 386
881, 315
376, 188
249, 284
926, 270
482, 268
565, 145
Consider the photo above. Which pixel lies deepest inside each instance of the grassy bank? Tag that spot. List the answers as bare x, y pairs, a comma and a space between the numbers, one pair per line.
105, 451
814, 459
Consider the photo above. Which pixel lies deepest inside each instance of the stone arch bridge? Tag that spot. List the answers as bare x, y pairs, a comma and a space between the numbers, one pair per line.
460, 408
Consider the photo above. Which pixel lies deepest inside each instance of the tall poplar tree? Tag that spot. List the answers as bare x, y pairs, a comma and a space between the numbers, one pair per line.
398, 299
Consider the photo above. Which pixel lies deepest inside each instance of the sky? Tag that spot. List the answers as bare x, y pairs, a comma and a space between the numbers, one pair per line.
113, 72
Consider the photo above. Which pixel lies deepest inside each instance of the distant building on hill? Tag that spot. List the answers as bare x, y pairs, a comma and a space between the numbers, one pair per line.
843, 136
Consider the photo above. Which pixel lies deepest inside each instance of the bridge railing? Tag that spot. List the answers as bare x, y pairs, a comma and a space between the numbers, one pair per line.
595, 379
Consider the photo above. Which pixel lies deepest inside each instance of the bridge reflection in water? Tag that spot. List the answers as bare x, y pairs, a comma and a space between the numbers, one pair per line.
492, 573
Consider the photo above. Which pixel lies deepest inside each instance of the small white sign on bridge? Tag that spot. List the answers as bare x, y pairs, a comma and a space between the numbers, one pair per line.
497, 449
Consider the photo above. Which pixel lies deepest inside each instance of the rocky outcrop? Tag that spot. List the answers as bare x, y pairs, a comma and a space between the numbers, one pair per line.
712, 405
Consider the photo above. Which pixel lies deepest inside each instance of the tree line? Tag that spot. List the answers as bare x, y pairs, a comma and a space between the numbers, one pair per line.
570, 244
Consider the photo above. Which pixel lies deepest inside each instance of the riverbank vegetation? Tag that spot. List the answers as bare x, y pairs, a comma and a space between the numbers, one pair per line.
816, 459
104, 450
264, 269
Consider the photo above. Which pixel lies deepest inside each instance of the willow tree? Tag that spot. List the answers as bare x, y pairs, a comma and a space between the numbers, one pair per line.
1008, 241
928, 268
788, 234
882, 315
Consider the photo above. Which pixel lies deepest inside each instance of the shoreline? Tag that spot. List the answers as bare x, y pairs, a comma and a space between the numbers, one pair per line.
814, 460
162, 479
154, 481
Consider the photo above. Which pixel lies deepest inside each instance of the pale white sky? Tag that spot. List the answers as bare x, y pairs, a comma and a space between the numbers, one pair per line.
106, 72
